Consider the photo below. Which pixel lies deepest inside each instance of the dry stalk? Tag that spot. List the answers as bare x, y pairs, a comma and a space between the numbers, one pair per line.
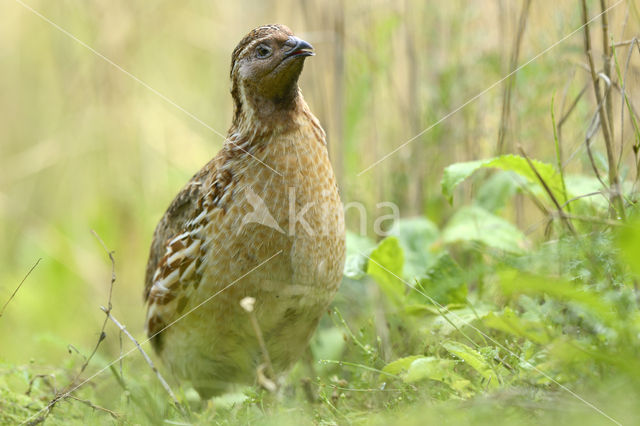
515, 55
18, 288
614, 182
625, 101
164, 383
72, 386
606, 49
96, 407
567, 114
544, 184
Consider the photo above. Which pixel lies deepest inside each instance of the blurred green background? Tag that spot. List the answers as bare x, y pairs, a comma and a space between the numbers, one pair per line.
85, 146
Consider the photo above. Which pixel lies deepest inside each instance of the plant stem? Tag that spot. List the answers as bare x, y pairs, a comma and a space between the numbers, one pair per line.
506, 99
614, 182
558, 153
606, 49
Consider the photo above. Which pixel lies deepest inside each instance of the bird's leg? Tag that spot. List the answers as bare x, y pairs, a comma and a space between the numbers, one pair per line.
268, 383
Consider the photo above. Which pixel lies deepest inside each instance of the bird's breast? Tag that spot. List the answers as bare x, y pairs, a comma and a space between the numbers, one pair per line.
284, 203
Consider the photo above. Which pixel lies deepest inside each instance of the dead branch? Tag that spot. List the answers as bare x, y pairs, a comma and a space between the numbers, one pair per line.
46, 378
18, 288
605, 125
122, 328
95, 407
606, 49
544, 184
515, 54
72, 386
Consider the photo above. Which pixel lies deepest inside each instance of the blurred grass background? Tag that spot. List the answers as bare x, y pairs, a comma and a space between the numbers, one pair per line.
84, 146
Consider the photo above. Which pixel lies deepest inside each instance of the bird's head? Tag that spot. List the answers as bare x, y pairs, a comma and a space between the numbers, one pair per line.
265, 67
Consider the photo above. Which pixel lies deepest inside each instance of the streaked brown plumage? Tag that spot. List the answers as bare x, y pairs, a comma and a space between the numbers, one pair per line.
205, 247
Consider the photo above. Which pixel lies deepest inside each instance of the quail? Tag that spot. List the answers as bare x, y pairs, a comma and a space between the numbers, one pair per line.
262, 219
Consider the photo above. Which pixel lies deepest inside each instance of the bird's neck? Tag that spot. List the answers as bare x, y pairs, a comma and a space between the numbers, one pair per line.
259, 118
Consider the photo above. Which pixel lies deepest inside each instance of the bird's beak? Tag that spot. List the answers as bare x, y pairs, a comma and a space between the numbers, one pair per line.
298, 47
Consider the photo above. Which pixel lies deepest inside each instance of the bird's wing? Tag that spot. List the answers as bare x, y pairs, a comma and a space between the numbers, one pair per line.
175, 257
184, 207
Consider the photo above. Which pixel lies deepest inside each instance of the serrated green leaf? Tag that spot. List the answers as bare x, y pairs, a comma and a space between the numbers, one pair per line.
629, 244
473, 223
473, 359
385, 266
509, 322
429, 368
457, 317
494, 193
355, 266
444, 282
513, 281
440, 370
458, 172
415, 235
400, 365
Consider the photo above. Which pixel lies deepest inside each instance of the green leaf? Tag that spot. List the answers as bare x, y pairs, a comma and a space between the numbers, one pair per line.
458, 172
509, 322
513, 281
429, 368
473, 359
357, 244
399, 366
457, 318
415, 235
629, 243
385, 266
494, 193
355, 266
473, 223
445, 282
441, 370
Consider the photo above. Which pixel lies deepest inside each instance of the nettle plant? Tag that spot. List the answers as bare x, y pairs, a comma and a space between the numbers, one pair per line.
477, 305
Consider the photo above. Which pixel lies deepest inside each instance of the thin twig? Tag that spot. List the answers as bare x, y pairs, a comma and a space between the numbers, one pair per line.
623, 98
558, 153
613, 170
591, 194
632, 114
624, 43
66, 392
95, 407
103, 334
613, 84
18, 288
72, 349
45, 378
571, 108
587, 142
113, 264
165, 385
606, 49
566, 221
597, 220
506, 99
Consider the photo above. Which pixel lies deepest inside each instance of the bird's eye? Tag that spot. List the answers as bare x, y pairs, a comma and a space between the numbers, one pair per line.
263, 51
